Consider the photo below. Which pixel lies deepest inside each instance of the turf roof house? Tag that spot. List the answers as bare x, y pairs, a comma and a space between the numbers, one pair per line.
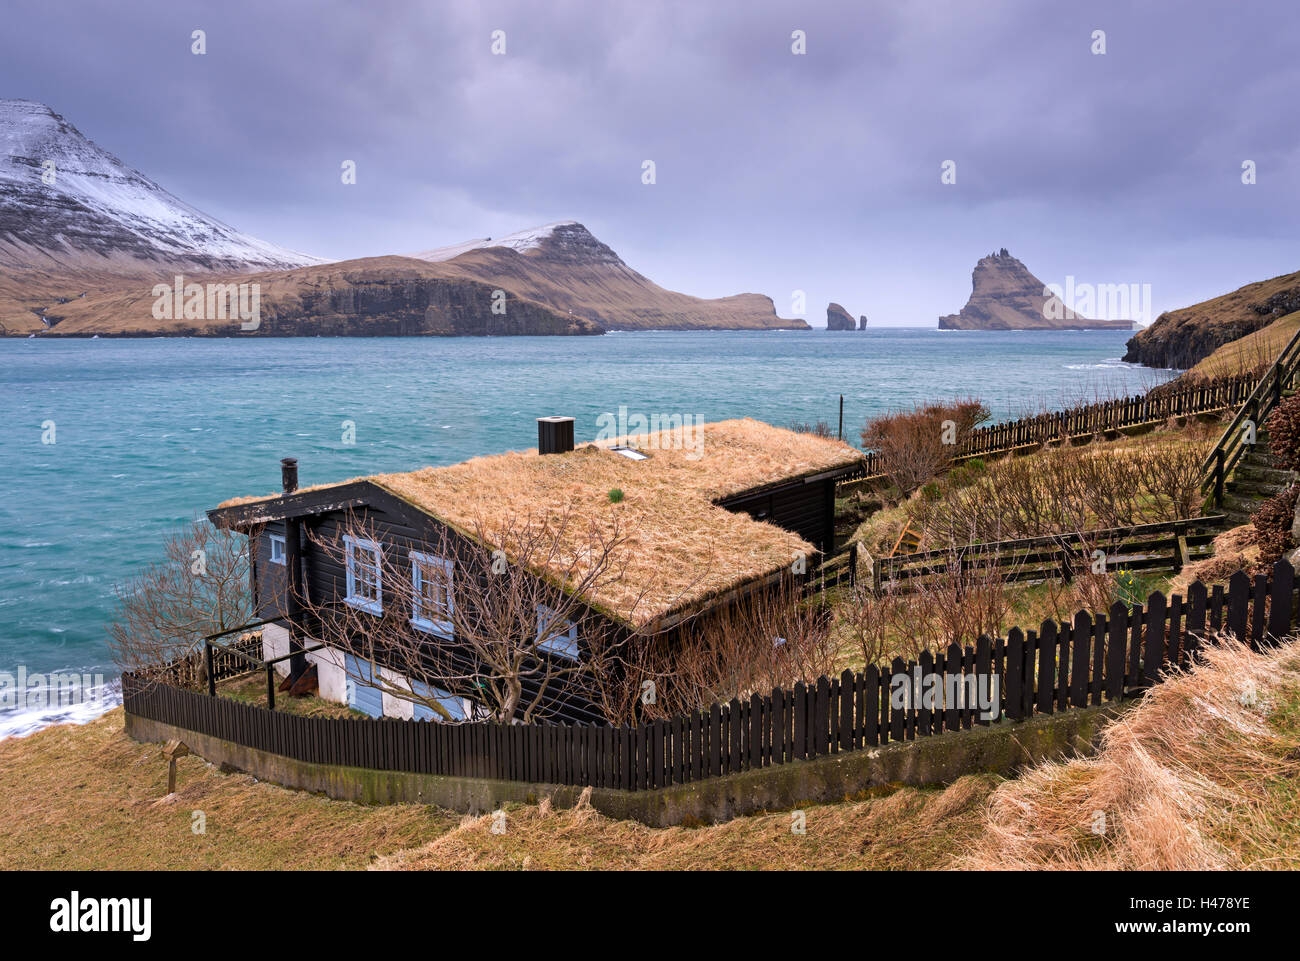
706, 521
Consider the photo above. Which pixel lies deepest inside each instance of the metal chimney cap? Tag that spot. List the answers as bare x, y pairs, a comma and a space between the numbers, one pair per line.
554, 435
289, 474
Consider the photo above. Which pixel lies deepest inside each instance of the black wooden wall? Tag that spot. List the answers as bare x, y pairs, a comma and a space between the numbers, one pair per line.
399, 532
805, 509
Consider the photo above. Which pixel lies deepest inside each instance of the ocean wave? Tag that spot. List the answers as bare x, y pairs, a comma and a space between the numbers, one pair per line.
1110, 363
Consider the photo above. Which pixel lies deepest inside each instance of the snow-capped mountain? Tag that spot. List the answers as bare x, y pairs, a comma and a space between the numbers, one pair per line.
65, 202
564, 238
523, 241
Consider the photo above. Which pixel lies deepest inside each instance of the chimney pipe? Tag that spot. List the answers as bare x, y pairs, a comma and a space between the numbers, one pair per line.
289, 474
554, 435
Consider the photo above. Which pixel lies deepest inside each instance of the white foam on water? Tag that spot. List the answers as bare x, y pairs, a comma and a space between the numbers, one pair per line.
20, 722
1110, 363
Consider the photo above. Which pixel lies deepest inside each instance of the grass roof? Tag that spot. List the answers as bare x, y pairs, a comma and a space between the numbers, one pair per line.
680, 547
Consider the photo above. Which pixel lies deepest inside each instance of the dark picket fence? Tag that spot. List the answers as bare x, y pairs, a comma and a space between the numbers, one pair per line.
1204, 397
1058, 667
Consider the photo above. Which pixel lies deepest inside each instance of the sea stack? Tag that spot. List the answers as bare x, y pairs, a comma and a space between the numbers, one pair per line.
1006, 296
837, 318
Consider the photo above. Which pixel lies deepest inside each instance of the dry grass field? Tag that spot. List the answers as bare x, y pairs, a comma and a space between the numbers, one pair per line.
88, 797
1250, 352
1204, 773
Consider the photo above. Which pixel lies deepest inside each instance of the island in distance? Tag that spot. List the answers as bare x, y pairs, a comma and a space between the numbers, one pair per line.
837, 318
1006, 296
86, 243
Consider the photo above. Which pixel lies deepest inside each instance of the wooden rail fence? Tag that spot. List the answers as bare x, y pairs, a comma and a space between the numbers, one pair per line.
1168, 545
1056, 668
1239, 435
1086, 420
228, 662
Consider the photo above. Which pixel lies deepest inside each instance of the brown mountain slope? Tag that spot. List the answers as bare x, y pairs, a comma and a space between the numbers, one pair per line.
26, 294
376, 296
84, 238
558, 280
1006, 296
564, 266
1182, 338
1249, 353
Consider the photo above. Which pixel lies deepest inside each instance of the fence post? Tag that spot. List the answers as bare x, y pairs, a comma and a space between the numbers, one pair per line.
270, 687
1218, 477
212, 677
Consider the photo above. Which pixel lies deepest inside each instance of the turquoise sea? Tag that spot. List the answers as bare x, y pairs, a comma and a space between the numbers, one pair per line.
150, 433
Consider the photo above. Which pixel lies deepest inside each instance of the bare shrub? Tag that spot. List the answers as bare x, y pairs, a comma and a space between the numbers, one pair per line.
1283, 426
881, 626
200, 587
955, 602
1272, 521
1090, 590
1171, 475
771, 638
915, 446
964, 597
1066, 489
818, 428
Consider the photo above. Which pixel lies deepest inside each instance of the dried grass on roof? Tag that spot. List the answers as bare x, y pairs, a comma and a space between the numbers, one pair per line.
679, 547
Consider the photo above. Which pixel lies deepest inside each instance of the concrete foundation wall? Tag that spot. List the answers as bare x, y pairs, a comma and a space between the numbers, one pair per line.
328, 660
1002, 748
396, 706
331, 676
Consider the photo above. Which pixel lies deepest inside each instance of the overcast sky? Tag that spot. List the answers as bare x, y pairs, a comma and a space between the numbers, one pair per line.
775, 171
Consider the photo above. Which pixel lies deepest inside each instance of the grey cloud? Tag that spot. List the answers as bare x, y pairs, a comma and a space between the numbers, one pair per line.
774, 171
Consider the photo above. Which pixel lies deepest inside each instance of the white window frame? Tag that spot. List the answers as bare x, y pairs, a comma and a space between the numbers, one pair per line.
277, 540
440, 621
558, 645
351, 545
